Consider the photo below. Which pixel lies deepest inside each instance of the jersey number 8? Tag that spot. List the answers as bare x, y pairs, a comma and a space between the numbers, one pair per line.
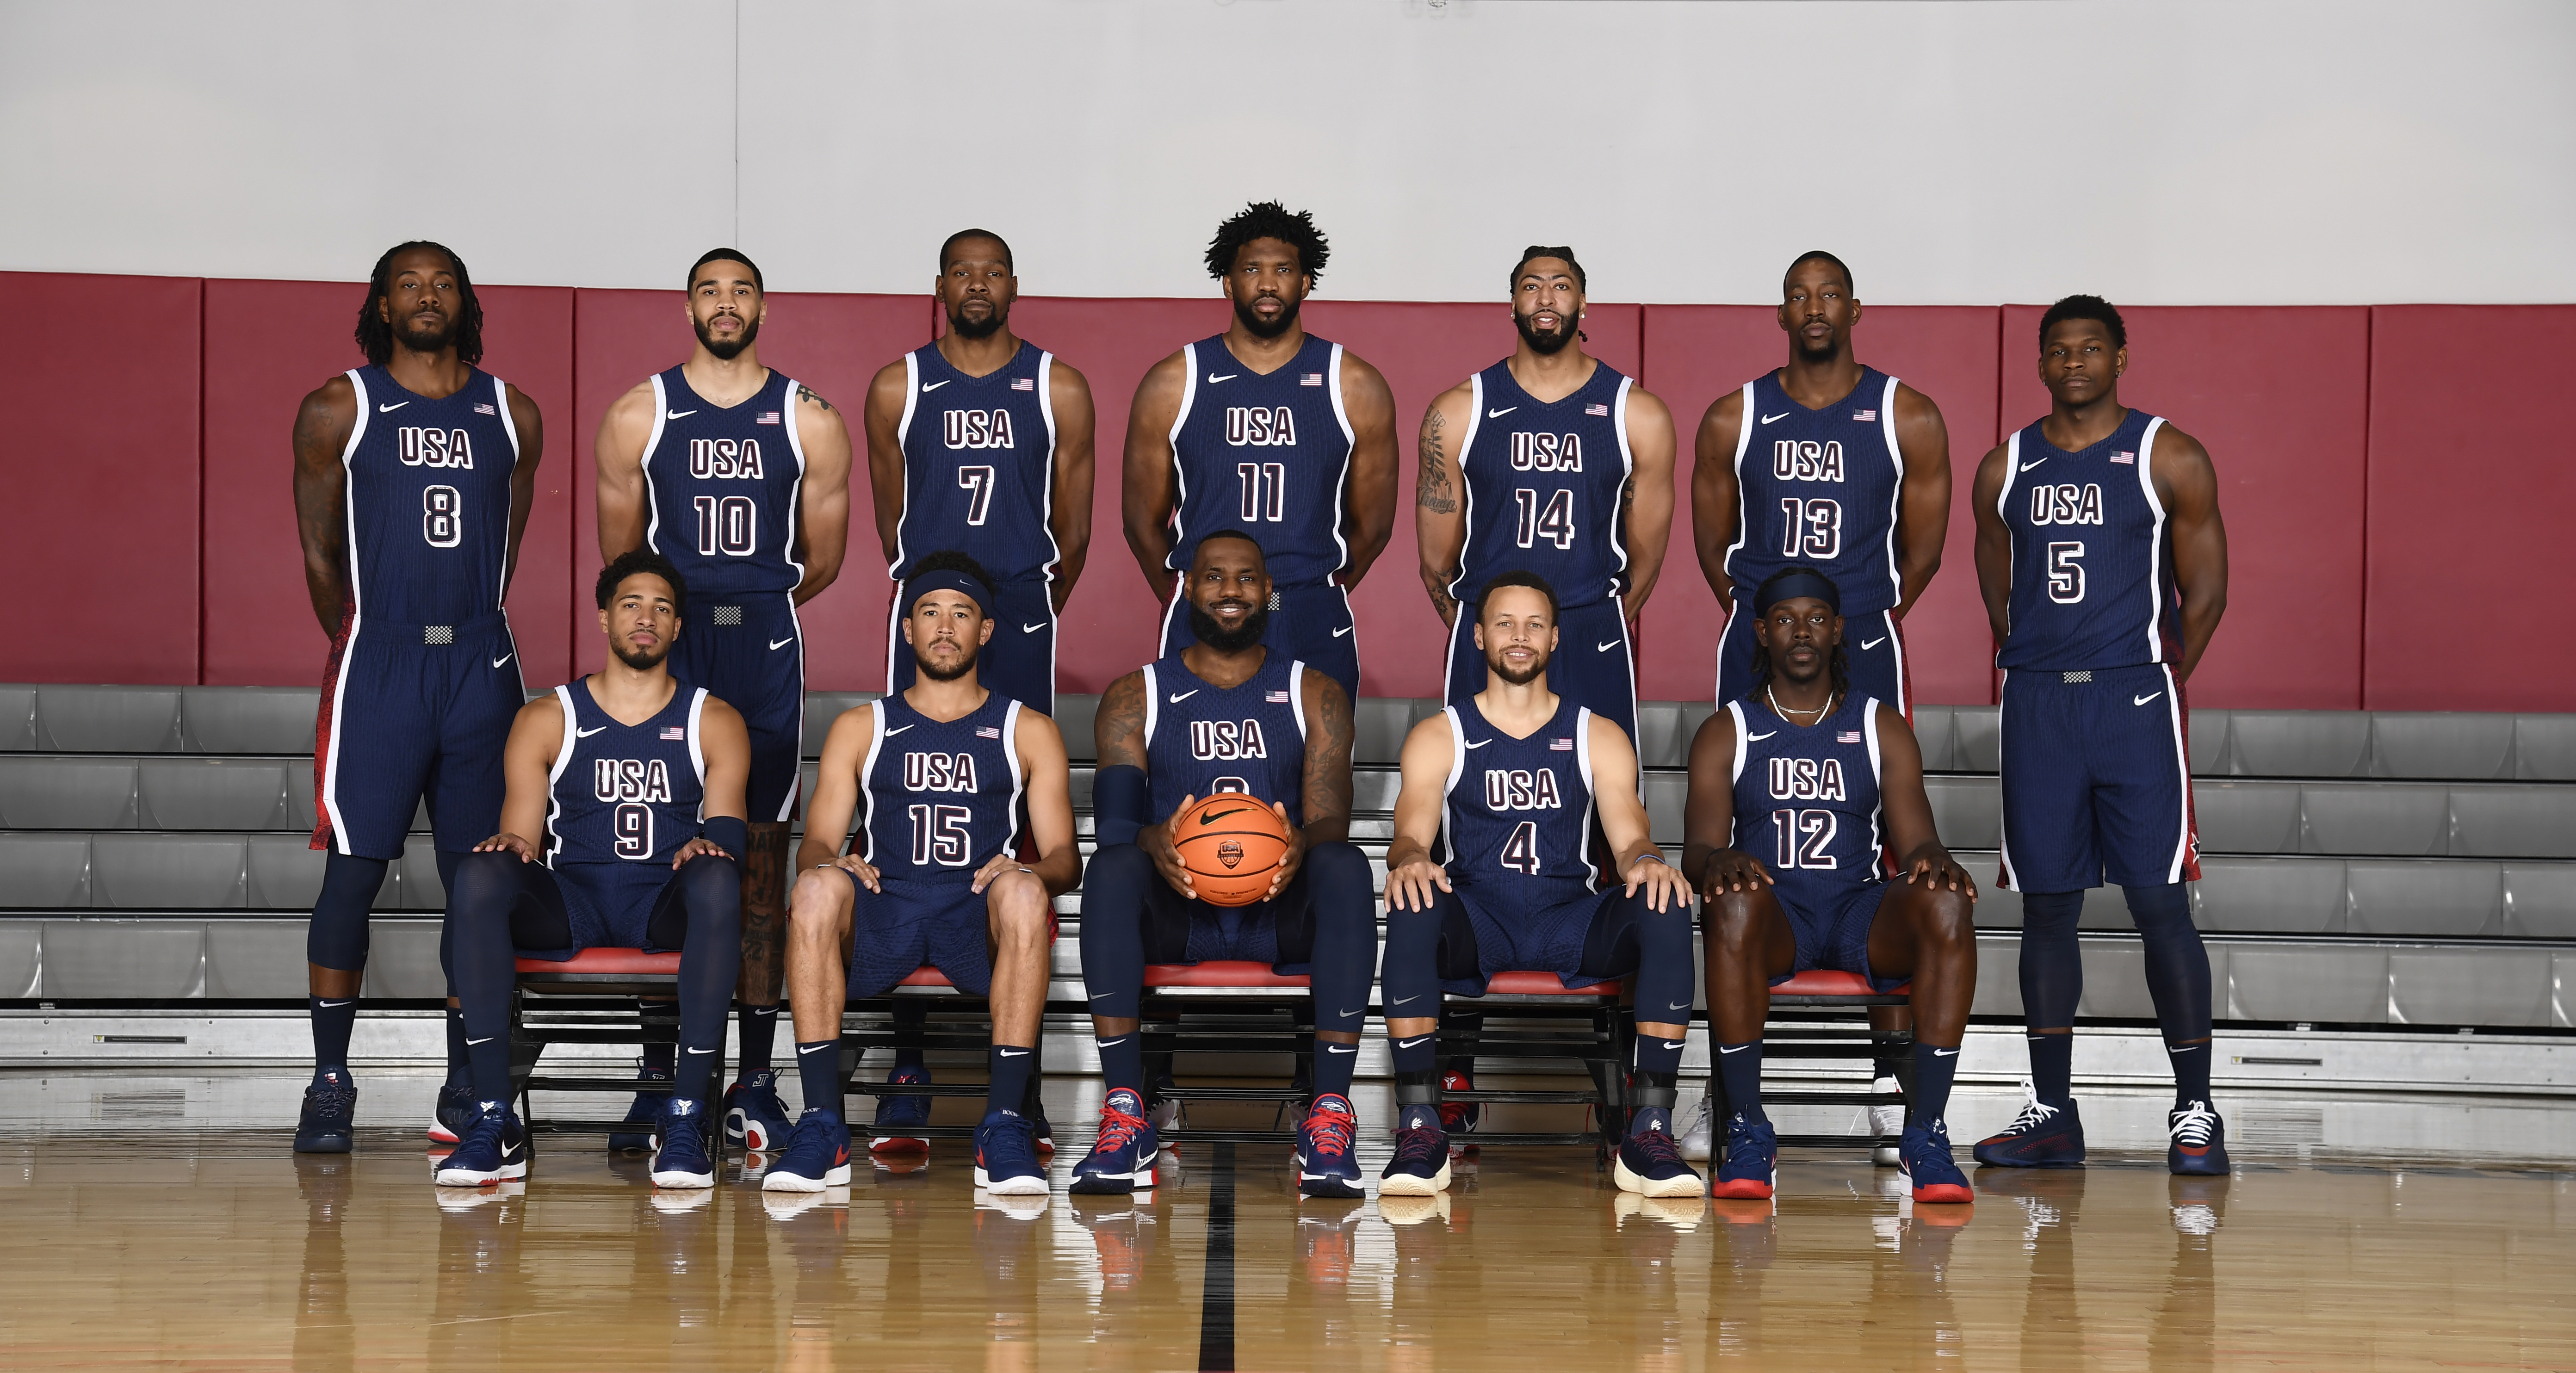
442, 516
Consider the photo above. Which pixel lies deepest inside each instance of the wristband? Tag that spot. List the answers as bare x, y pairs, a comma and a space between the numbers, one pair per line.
730, 833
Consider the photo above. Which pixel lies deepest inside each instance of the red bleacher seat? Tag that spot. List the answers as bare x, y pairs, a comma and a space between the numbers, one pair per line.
1832, 982
1544, 984
628, 962
926, 977
1219, 973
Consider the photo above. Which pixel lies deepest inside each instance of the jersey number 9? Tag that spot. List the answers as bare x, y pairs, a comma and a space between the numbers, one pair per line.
634, 826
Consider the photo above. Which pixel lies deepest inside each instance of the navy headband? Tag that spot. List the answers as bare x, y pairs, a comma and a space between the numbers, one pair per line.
1790, 583
943, 579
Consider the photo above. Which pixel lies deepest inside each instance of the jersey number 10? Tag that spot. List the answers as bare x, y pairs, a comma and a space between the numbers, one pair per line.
729, 525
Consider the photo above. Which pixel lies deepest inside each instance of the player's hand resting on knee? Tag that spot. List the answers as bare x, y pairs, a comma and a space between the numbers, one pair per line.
1732, 870
1156, 841
1932, 867
993, 869
506, 842
859, 868
695, 848
1665, 886
1410, 886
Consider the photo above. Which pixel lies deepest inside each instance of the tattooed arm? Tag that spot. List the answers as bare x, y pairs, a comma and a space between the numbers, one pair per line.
321, 486
823, 521
1439, 518
1327, 796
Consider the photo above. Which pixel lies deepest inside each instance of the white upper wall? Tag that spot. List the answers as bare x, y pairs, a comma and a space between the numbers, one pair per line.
2363, 151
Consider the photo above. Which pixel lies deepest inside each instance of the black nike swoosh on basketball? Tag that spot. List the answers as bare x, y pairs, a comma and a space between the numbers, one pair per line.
1212, 819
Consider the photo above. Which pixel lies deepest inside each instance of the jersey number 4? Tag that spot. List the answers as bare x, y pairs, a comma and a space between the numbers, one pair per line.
729, 525
1804, 836
942, 834
1520, 852
1555, 523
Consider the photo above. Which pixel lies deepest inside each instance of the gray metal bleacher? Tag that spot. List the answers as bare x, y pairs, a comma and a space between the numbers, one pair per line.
2369, 868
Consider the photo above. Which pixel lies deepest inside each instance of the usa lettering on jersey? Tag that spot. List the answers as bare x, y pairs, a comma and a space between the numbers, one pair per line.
1808, 779
975, 428
1260, 426
1227, 740
422, 447
1805, 460
2066, 503
725, 459
1533, 452
630, 779
1522, 789
939, 772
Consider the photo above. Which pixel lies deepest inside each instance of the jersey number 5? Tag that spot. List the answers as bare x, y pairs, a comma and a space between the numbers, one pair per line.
2066, 572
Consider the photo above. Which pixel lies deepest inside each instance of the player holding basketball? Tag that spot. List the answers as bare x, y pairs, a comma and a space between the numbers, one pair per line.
1553, 461
2104, 567
620, 831
1828, 464
1512, 777
1267, 429
942, 768
741, 477
1225, 714
1793, 790
413, 479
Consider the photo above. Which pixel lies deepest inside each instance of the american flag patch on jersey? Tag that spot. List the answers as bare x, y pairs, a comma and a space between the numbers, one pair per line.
988, 731
767, 417
675, 732
2125, 459
1311, 379
1560, 745
485, 410
1849, 736
1024, 383
1277, 698
1596, 409
1865, 416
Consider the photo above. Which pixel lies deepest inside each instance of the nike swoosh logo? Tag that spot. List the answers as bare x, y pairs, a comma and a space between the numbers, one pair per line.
701, 1051
1417, 996
1032, 629
777, 644
1751, 738
677, 414
1409, 1043
484, 1040
1733, 1049
1023, 1053
1213, 378
1766, 419
897, 730
1678, 1006
397, 405
333, 1003
1480, 743
1206, 820
2029, 465
1347, 1014
1867, 644
818, 1048
2146, 698
1498, 414
1673, 1043
1099, 996
1343, 630
586, 733
929, 386
1341, 1049
1604, 648
1193, 691
504, 658
1945, 1053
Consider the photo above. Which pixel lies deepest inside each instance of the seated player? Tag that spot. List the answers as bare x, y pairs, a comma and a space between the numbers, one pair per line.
942, 768
1225, 714
1515, 775
1814, 778
623, 829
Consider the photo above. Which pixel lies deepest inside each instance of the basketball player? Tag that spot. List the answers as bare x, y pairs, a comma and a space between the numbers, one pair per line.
1549, 460
2104, 567
1512, 778
741, 477
621, 829
943, 768
1267, 429
1793, 790
1828, 464
1225, 714
413, 479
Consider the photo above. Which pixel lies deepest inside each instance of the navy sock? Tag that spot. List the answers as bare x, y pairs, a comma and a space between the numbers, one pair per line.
1933, 1070
2177, 967
1333, 1065
460, 1071
1011, 1065
759, 1029
1739, 1069
818, 1071
1122, 1062
1656, 1054
1417, 1054
333, 1018
910, 1015
2052, 1067
2191, 1071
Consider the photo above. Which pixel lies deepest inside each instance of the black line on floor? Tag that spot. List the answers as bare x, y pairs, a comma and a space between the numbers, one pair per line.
1216, 1307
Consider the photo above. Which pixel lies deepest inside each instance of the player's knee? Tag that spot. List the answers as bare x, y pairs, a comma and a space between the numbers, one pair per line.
814, 908
1017, 906
485, 882
1665, 934
1731, 921
1117, 865
1947, 920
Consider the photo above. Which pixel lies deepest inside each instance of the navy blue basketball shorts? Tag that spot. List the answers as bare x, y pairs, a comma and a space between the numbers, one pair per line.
1019, 660
1311, 624
564, 909
914, 924
1481, 936
748, 651
413, 712
1594, 665
2096, 780
1873, 644
1832, 924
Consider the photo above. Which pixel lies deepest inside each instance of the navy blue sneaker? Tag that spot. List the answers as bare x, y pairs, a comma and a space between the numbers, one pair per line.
643, 1110
1459, 1117
2198, 1146
1006, 1157
755, 1117
817, 1155
2044, 1135
454, 1114
1923, 1151
1122, 1159
330, 1115
897, 1116
1752, 1167
1325, 1165
495, 1149
1650, 1161
680, 1145
1420, 1167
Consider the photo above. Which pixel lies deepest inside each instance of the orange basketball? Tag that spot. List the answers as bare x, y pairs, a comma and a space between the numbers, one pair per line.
1231, 845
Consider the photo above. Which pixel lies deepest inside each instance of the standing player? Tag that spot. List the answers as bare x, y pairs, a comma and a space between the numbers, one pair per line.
1512, 778
623, 819
943, 768
2104, 567
1553, 461
413, 479
1267, 429
1827, 464
1793, 790
1225, 715
981, 440
741, 477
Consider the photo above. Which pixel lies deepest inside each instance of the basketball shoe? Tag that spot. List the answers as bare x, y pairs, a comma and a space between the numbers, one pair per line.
1006, 1157
1325, 1165
1650, 1161
455, 1112
1752, 1167
329, 1119
680, 1145
2198, 1146
1887, 1122
494, 1149
755, 1118
817, 1155
1459, 1117
1122, 1158
1700, 1140
2042, 1136
1924, 1153
1420, 1167
898, 1114
646, 1107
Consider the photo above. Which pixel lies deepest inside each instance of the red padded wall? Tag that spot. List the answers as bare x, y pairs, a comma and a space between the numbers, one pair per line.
274, 342
1697, 353
833, 343
2440, 410
99, 534
2280, 397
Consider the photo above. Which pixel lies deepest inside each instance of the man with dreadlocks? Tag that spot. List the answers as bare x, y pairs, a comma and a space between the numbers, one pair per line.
1794, 789
413, 479
1267, 429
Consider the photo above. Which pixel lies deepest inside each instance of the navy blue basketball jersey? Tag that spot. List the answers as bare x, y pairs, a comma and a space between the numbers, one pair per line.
1819, 488
1806, 797
1201, 740
941, 797
1543, 481
626, 793
429, 499
1518, 813
2092, 564
979, 464
723, 483
1266, 454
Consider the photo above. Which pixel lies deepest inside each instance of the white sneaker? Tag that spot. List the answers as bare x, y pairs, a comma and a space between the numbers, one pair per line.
1886, 1122
1701, 1138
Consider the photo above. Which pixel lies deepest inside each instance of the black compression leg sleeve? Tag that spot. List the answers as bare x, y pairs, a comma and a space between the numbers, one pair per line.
2052, 983
487, 887
2178, 979
710, 960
